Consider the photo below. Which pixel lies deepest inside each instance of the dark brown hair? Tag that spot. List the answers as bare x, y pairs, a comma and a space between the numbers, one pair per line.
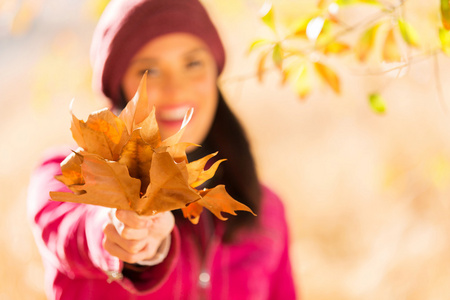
238, 173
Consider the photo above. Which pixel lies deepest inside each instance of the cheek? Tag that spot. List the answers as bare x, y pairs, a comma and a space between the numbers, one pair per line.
206, 90
207, 98
129, 86
206, 105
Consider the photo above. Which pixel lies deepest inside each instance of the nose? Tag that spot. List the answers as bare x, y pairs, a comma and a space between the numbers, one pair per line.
174, 87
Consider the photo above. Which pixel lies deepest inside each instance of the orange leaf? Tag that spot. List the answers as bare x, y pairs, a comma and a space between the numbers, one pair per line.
102, 134
107, 184
321, 4
208, 174
192, 212
177, 136
329, 76
150, 130
76, 129
71, 170
168, 187
390, 48
137, 108
197, 175
261, 66
137, 156
178, 151
217, 200
445, 13
336, 48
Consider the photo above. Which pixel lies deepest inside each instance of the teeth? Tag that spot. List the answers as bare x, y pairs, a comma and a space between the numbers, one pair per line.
173, 114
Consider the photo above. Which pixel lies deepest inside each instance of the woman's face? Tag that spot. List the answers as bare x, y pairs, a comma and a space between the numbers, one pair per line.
182, 73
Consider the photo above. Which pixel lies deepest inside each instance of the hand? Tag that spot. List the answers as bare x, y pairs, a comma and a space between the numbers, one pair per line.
137, 238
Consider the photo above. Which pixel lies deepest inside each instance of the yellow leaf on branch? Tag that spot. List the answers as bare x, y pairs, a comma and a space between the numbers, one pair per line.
366, 42
267, 15
409, 34
391, 52
377, 103
444, 37
278, 56
328, 76
445, 13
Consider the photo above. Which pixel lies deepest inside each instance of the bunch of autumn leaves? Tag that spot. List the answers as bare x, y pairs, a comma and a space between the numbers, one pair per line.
123, 163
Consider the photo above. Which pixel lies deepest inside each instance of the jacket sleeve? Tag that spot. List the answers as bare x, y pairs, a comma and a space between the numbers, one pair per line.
69, 236
281, 282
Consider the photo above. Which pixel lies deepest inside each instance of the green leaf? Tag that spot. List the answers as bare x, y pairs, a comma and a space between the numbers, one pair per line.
444, 36
353, 2
298, 75
324, 36
371, 2
302, 83
277, 56
268, 16
408, 32
377, 103
299, 28
346, 2
445, 13
366, 42
258, 43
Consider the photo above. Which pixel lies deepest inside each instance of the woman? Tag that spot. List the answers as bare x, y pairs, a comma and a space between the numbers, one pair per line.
91, 252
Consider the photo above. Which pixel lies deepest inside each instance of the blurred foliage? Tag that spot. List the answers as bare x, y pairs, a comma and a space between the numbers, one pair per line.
306, 50
18, 15
303, 51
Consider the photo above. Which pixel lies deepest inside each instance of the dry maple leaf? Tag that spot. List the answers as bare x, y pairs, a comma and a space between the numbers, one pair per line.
123, 163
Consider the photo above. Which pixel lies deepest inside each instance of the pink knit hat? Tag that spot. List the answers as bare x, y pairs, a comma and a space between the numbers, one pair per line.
127, 25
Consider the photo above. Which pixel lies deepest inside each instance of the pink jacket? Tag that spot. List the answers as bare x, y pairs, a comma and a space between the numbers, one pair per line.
69, 237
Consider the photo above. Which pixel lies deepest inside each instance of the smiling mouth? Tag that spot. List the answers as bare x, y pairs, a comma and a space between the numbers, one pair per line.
174, 114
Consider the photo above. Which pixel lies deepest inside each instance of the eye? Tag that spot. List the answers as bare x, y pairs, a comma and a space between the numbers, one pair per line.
152, 72
194, 63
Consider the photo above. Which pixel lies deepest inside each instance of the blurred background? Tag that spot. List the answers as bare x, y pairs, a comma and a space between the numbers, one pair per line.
366, 194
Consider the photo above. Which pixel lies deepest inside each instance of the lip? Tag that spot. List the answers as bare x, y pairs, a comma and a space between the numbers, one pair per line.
171, 116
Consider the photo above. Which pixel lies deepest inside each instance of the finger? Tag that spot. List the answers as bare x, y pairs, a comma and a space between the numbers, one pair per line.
130, 233
130, 246
163, 225
117, 251
132, 219
114, 249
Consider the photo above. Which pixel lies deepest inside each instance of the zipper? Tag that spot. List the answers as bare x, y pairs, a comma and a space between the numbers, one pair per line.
211, 240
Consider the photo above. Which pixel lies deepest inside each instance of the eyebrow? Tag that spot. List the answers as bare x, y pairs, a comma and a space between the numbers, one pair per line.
195, 50
154, 60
